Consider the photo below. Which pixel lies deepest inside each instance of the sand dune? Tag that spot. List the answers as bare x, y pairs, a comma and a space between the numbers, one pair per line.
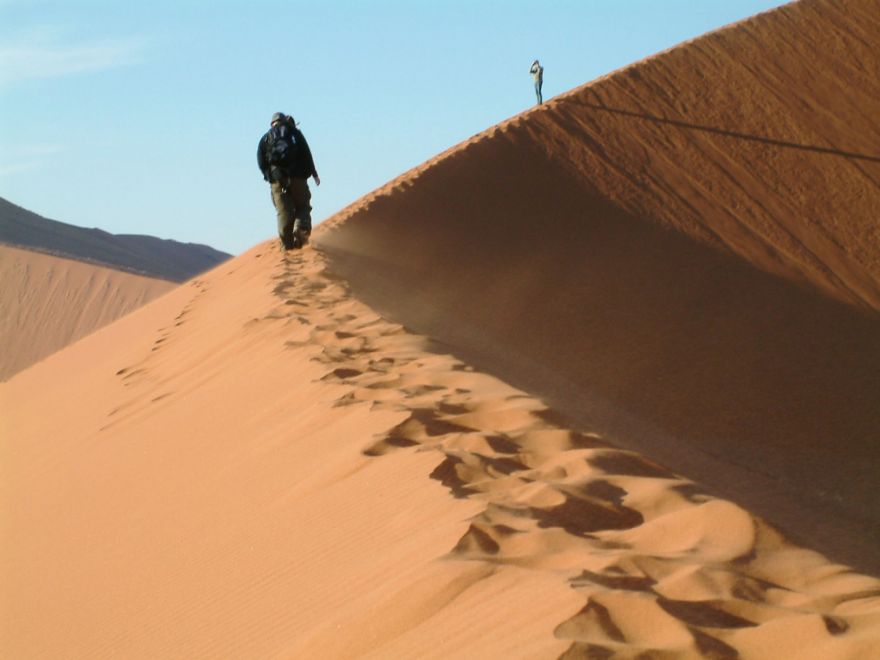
48, 302
259, 465
683, 255
447, 430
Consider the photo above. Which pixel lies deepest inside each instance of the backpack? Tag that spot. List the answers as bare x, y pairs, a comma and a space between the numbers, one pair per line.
281, 150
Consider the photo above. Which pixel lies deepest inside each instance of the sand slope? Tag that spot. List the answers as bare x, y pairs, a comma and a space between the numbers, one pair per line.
48, 302
266, 462
204, 493
258, 465
684, 255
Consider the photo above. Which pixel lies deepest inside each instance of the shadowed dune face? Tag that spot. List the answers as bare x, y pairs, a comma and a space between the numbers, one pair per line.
262, 464
684, 255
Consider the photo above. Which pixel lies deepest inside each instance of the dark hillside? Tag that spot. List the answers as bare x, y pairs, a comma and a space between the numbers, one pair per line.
144, 255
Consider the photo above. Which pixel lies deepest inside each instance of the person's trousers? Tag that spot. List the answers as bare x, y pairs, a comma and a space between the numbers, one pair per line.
294, 209
538, 94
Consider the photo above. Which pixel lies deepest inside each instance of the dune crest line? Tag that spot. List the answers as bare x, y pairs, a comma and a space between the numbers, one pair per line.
455, 427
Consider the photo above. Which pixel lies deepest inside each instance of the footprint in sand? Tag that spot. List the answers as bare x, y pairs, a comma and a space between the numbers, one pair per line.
665, 570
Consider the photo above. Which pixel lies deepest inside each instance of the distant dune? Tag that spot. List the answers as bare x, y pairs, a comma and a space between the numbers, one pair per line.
144, 255
61, 282
523, 402
48, 302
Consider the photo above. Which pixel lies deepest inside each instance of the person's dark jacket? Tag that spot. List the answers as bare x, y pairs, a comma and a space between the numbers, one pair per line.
305, 164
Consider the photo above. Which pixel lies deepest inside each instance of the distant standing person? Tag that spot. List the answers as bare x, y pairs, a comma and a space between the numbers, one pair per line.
286, 162
537, 72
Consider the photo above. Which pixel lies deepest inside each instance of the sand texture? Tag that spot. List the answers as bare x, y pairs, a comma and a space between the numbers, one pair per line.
49, 302
259, 465
589, 385
684, 254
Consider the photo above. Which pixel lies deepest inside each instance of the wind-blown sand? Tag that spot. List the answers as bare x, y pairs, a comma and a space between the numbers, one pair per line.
265, 463
48, 302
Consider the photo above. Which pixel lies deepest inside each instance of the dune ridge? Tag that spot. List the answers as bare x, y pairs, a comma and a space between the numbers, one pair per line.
683, 254
271, 468
49, 302
790, 90
459, 426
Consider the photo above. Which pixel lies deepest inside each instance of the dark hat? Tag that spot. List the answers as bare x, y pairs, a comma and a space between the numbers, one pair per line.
278, 116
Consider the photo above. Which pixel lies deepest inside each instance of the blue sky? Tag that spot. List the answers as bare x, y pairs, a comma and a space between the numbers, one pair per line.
144, 117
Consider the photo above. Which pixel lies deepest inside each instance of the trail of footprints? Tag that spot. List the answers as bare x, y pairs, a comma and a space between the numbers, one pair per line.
139, 373
549, 490
130, 373
556, 499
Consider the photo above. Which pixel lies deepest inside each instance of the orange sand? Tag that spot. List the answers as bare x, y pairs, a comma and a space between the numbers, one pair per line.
258, 465
684, 256
48, 302
266, 463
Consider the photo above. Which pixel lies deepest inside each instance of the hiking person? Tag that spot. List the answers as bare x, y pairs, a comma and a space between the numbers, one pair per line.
286, 162
537, 72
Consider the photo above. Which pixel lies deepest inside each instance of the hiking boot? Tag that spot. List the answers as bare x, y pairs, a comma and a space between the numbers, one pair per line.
300, 237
